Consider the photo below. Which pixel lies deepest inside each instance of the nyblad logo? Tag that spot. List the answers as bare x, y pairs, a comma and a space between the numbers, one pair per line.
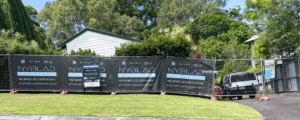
75, 69
36, 68
79, 69
136, 70
185, 71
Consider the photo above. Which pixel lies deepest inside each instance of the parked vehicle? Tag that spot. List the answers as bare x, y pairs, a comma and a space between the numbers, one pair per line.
240, 83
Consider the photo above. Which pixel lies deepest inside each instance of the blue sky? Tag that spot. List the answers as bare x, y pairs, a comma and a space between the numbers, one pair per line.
235, 3
39, 4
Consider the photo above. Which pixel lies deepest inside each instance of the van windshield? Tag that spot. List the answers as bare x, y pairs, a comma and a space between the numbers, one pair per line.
242, 77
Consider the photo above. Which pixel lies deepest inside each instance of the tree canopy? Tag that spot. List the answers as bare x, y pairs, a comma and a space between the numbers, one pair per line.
64, 18
20, 19
3, 21
162, 46
144, 10
279, 20
181, 11
212, 32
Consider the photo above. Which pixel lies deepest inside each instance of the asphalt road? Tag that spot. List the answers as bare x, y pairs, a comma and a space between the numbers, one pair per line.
280, 107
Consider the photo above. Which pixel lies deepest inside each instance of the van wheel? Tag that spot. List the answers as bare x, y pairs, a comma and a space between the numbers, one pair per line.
252, 97
240, 97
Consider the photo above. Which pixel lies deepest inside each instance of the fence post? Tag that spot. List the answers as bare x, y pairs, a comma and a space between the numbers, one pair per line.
283, 77
298, 82
213, 86
262, 75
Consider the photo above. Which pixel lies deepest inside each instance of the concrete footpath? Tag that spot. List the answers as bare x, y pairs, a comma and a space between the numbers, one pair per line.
53, 117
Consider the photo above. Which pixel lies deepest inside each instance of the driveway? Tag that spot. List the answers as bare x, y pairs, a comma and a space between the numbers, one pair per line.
280, 107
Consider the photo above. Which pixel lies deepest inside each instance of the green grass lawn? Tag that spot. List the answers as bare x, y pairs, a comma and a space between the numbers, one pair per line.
127, 105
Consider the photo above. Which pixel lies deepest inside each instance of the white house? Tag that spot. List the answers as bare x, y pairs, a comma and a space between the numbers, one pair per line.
102, 43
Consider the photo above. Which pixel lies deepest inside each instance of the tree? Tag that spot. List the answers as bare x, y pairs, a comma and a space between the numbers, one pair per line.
41, 34
14, 43
144, 10
32, 14
64, 18
233, 50
49, 43
212, 47
218, 24
279, 19
179, 11
221, 35
3, 24
17, 19
20, 20
111, 21
261, 48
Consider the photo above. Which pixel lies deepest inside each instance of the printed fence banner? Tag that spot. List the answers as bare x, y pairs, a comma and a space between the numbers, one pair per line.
36, 73
269, 69
119, 74
91, 75
189, 76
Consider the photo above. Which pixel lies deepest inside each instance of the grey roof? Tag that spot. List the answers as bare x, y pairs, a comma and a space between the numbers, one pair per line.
97, 31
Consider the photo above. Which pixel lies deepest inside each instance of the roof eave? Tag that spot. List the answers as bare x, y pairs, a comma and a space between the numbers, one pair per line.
97, 31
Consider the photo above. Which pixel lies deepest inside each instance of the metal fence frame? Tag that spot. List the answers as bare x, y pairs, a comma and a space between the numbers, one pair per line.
287, 78
4, 73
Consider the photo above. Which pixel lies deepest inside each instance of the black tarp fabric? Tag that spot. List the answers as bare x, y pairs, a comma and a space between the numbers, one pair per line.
119, 74
188, 76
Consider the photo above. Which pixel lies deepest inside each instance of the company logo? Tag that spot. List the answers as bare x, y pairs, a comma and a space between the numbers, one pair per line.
185, 71
136, 70
195, 65
74, 62
23, 61
36, 68
75, 69
173, 63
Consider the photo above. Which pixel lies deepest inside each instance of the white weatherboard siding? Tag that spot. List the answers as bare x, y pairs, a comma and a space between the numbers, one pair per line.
103, 45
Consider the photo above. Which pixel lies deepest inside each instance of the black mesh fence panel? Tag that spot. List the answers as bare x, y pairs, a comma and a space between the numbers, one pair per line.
4, 73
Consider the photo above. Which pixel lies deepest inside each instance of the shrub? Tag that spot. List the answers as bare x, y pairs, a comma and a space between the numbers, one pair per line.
162, 46
81, 52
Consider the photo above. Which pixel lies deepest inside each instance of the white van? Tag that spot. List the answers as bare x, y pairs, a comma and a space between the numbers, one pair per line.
240, 83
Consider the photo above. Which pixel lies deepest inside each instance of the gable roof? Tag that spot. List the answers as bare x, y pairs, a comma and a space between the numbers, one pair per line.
96, 31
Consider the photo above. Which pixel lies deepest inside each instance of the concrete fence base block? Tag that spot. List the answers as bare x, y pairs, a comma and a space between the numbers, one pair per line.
264, 98
113, 93
162, 93
13, 92
213, 98
64, 92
